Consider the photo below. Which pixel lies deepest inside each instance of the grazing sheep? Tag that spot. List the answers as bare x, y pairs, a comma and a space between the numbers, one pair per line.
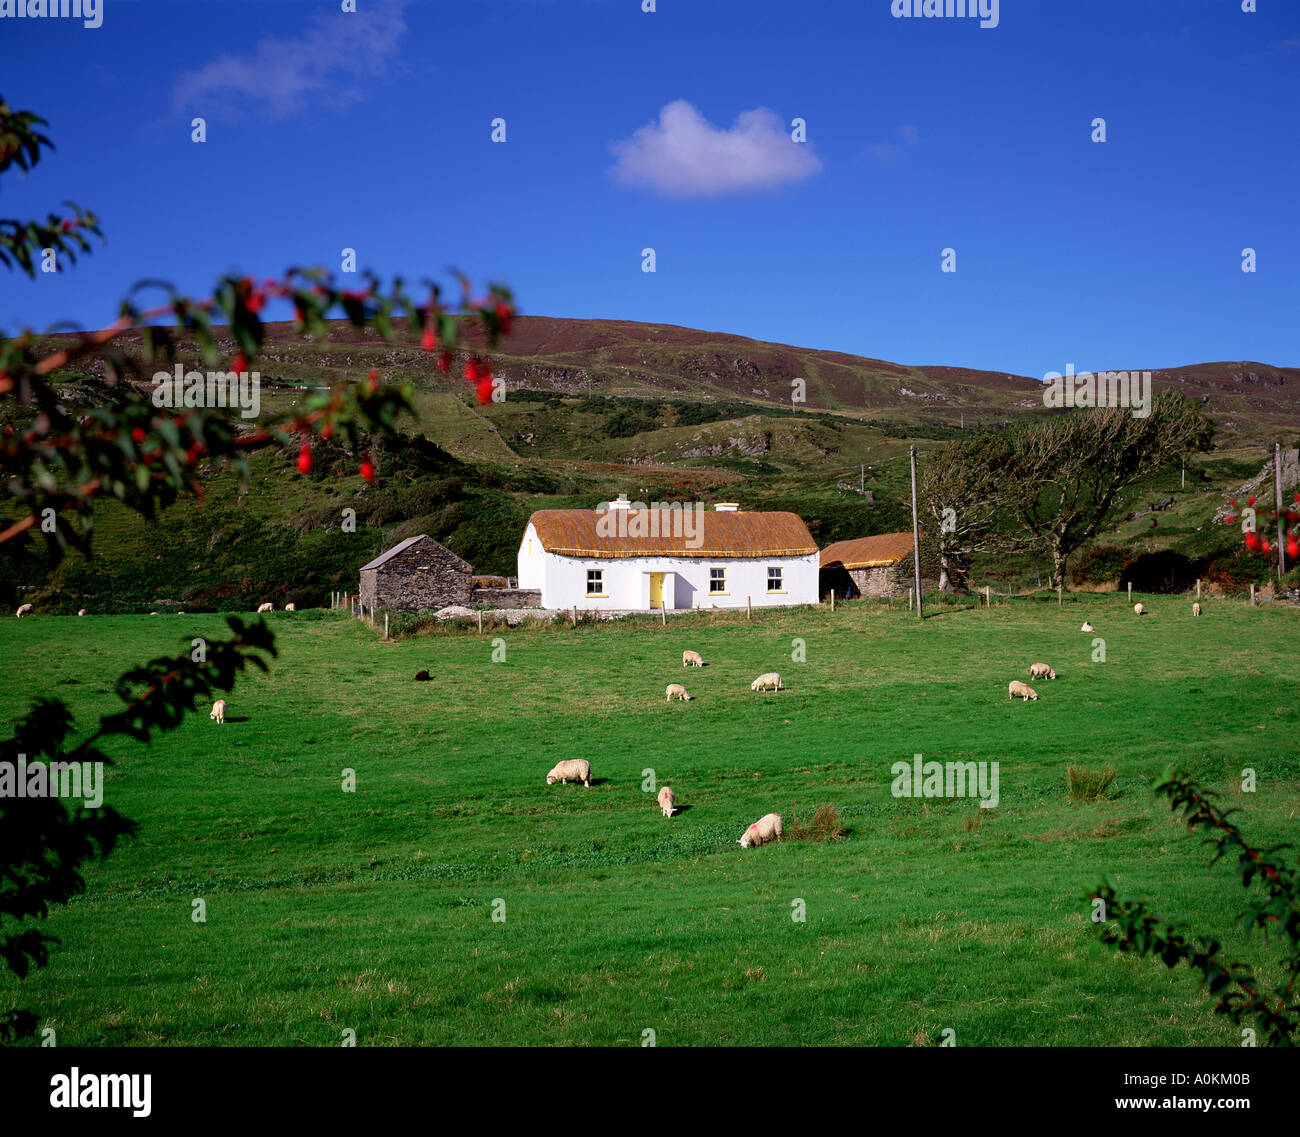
763, 830
692, 659
1026, 692
291, 608
82, 612
268, 607
766, 680
422, 677
1138, 609
23, 610
1196, 608
666, 799
1039, 670
575, 769
153, 613
218, 711
677, 691
1087, 627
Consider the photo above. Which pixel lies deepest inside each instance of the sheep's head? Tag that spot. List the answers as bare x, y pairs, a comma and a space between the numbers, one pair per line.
551, 779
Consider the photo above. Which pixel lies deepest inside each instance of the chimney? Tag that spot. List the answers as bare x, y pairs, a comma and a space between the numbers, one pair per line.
726, 507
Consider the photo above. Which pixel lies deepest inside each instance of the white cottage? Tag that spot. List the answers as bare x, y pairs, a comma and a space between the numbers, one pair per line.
658, 557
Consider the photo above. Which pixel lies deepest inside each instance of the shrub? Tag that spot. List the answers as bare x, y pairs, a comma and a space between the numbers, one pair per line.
823, 826
1089, 785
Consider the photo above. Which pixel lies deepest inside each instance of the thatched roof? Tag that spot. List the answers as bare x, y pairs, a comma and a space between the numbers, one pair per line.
707, 535
868, 552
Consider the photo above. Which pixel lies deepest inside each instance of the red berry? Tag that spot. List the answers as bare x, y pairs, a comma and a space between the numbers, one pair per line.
471, 370
504, 315
374, 380
1252, 500
1252, 542
483, 387
444, 361
328, 431
304, 458
368, 470
256, 301
239, 363
1266, 546
429, 340
1292, 547
137, 434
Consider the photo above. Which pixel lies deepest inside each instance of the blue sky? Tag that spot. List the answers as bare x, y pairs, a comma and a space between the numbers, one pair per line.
922, 134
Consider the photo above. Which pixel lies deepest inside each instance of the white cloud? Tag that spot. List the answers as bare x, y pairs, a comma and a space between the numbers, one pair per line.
890, 152
332, 62
684, 155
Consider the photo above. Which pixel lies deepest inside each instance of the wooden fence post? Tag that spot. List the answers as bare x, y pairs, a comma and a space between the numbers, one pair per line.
1252, 596
663, 615
385, 625
1198, 588
480, 621
575, 615
1130, 592
832, 600
749, 611
1058, 595
909, 599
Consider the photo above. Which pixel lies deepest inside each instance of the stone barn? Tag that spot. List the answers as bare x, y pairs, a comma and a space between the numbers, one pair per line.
416, 575
878, 566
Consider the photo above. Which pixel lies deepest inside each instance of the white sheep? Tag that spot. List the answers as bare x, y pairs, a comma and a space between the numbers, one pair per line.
291, 608
82, 612
677, 691
763, 830
1026, 692
1087, 627
219, 711
573, 769
666, 800
1196, 608
1041, 670
268, 607
1138, 609
23, 610
766, 680
692, 659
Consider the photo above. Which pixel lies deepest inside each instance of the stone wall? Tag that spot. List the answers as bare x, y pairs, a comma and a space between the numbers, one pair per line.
885, 581
507, 597
424, 577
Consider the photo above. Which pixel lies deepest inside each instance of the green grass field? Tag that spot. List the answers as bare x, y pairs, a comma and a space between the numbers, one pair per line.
372, 911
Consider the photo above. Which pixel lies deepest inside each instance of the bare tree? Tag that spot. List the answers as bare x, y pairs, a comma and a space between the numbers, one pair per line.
963, 490
1067, 473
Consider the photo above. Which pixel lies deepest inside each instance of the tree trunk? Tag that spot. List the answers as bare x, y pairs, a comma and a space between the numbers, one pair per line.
1059, 557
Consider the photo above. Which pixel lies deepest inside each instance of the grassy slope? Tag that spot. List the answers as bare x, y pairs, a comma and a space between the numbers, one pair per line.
371, 911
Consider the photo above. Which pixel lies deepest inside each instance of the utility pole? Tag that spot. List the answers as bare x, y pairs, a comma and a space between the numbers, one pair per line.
1277, 493
916, 539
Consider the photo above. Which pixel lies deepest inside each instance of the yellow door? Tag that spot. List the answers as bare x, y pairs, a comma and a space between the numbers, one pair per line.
656, 590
